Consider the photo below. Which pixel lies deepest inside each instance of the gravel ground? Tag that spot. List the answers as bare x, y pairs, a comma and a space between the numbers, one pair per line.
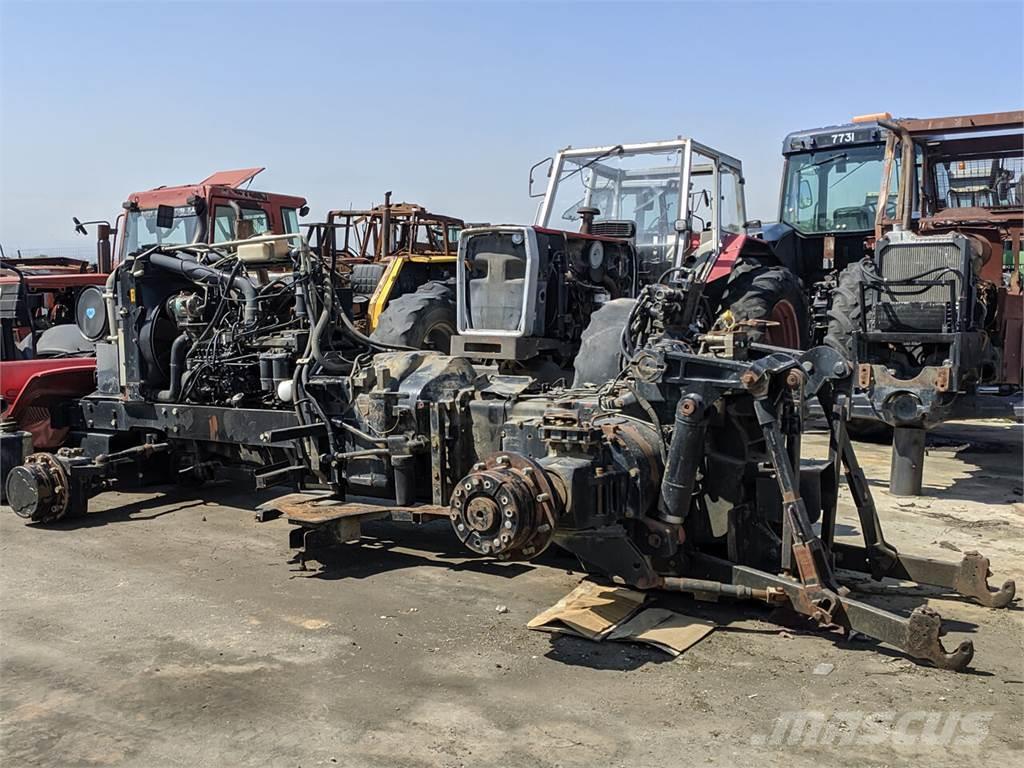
170, 631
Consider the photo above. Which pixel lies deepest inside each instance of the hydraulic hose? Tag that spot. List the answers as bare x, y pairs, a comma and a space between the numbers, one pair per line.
324, 320
200, 273
178, 351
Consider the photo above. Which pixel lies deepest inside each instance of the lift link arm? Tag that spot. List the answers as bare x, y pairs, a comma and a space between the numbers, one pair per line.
878, 558
817, 593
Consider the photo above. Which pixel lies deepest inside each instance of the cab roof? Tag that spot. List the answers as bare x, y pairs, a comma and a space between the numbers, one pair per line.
224, 183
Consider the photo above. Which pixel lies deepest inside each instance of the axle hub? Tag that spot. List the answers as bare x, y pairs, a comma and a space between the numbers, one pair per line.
39, 489
505, 508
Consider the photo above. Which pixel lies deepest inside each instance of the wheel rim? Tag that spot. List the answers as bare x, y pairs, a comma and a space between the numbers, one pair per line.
787, 332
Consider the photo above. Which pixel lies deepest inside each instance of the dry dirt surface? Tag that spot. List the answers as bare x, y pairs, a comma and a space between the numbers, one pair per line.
170, 631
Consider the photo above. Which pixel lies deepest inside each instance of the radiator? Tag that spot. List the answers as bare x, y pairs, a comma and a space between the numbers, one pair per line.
905, 256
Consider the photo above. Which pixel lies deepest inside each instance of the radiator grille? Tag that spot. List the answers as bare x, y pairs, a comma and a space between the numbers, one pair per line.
902, 261
614, 228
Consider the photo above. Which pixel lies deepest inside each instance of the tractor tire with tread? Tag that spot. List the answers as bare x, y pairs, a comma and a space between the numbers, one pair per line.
757, 291
600, 357
423, 319
364, 278
844, 316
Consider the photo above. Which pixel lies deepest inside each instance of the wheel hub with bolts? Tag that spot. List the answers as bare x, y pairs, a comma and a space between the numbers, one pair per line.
39, 490
505, 508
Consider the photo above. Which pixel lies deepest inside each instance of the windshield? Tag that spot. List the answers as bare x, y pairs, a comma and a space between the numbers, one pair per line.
835, 191
642, 187
141, 230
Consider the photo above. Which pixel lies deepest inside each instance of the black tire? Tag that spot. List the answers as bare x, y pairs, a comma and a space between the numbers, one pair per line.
844, 316
755, 291
600, 358
364, 278
423, 319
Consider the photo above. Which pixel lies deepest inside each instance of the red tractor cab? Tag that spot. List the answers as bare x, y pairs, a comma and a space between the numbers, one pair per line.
215, 210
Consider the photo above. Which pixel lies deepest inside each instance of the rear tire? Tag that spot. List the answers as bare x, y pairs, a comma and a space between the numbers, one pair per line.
364, 278
844, 316
599, 359
423, 319
761, 292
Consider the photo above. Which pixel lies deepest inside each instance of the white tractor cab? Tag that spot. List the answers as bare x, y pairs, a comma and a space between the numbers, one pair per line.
614, 219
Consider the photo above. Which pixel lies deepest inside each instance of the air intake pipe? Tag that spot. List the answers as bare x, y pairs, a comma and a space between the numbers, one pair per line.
200, 273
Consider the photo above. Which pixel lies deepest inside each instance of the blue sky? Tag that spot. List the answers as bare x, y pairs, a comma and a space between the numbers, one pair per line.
448, 104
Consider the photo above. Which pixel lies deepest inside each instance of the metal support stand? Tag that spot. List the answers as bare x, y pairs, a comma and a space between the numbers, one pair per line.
907, 469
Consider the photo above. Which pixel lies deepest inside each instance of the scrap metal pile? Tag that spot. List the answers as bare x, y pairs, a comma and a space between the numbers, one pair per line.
672, 460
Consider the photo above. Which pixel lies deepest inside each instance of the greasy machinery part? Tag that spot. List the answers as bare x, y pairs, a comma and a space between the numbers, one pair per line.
48, 488
815, 591
39, 489
506, 508
684, 458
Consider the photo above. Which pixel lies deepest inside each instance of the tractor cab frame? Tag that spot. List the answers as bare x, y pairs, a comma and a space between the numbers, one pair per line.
636, 212
387, 251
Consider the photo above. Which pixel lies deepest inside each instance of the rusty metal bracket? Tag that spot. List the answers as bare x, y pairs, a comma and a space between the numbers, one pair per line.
969, 578
917, 635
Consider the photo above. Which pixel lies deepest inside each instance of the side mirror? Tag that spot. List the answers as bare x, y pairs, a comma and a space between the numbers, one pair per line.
547, 174
79, 226
304, 210
165, 216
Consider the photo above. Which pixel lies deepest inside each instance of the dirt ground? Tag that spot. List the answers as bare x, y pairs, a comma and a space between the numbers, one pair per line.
172, 632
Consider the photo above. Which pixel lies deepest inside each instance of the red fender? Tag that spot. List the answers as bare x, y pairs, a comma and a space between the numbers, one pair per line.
31, 387
732, 245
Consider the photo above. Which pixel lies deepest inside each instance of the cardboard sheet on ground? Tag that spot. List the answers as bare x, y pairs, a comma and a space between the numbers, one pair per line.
591, 611
598, 612
664, 629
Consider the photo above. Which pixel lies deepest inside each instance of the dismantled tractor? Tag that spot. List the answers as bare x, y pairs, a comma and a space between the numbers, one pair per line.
682, 471
44, 358
612, 220
935, 314
400, 262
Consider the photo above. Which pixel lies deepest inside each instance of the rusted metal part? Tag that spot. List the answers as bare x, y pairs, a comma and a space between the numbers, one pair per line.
507, 508
922, 641
957, 123
772, 595
358, 235
48, 498
917, 636
864, 375
972, 581
314, 509
968, 578
935, 378
1011, 311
